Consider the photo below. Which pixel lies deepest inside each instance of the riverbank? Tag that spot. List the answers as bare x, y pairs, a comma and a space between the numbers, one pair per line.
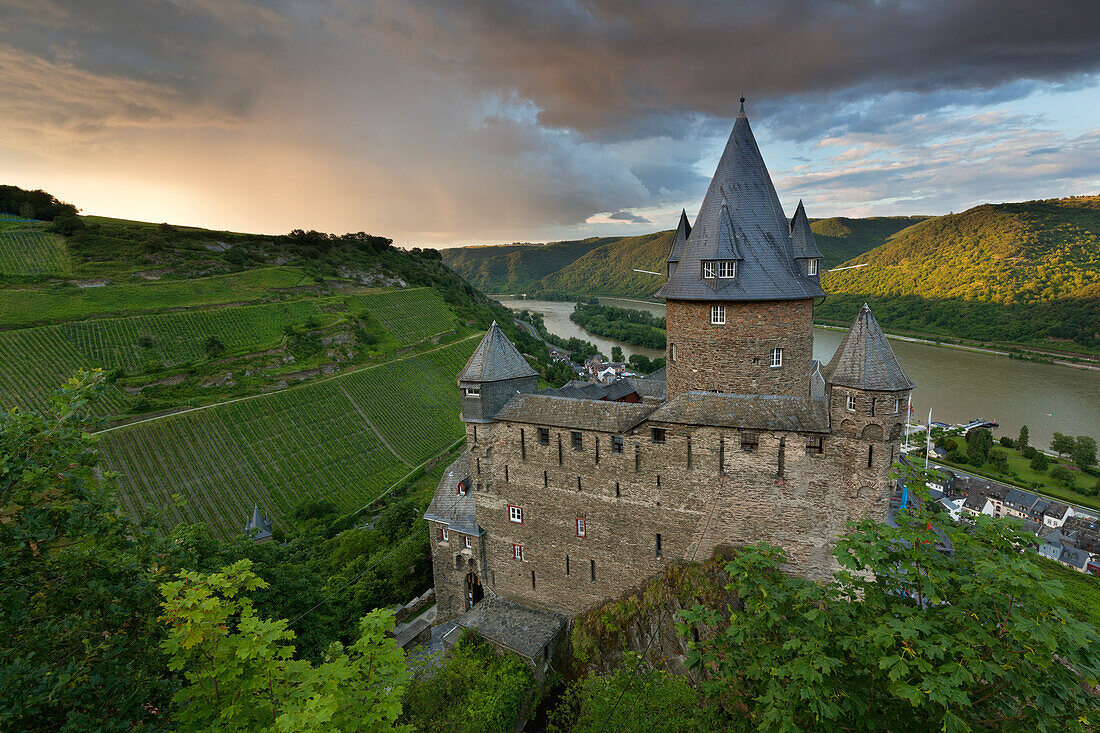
1010, 351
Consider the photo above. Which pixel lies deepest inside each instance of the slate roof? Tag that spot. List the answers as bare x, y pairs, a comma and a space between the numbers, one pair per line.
740, 214
864, 359
495, 359
456, 510
594, 390
1056, 510
1073, 556
582, 414
683, 230
258, 522
524, 630
802, 237
754, 412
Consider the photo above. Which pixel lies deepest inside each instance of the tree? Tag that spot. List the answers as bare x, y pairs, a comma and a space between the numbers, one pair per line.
979, 442
903, 637
1062, 475
999, 460
78, 580
240, 668
1062, 444
1006, 442
213, 347
1021, 440
1039, 462
616, 353
396, 518
1084, 452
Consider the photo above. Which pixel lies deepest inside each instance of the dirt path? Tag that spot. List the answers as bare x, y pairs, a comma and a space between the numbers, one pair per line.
371, 425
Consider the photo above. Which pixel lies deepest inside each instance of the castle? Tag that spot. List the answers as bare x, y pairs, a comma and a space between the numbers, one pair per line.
565, 498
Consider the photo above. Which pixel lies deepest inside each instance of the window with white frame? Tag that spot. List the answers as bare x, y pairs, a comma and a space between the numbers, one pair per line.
850, 403
672, 352
727, 268
718, 314
466, 541
517, 553
443, 534
472, 391
515, 514
777, 358
811, 268
580, 527
708, 269
897, 405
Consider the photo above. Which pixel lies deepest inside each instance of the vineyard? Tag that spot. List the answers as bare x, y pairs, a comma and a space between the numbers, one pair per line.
410, 315
344, 439
32, 252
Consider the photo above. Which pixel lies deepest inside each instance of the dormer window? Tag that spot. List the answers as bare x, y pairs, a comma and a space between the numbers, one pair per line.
710, 269
472, 392
811, 267
727, 268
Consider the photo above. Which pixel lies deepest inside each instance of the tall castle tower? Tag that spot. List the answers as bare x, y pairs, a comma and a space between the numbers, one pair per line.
740, 294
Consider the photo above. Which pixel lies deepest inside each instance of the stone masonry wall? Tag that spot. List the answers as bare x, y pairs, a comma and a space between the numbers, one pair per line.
726, 496
734, 357
452, 561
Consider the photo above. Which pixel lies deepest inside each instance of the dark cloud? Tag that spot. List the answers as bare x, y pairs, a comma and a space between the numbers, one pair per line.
629, 217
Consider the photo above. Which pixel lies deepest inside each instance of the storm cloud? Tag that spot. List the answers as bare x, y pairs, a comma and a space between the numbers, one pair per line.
440, 122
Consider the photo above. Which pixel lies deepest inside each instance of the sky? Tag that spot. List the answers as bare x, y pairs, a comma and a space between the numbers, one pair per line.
443, 122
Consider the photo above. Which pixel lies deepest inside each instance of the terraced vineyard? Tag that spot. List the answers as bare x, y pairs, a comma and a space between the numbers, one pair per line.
345, 439
33, 252
410, 315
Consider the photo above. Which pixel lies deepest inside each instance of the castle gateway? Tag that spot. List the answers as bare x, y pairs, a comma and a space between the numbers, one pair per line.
566, 498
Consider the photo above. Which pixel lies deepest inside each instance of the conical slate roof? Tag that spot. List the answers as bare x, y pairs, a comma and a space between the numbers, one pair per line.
802, 238
258, 522
864, 359
683, 230
495, 359
768, 271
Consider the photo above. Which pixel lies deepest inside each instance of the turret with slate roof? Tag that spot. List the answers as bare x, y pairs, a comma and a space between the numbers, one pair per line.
806, 253
494, 373
683, 231
865, 360
739, 302
258, 527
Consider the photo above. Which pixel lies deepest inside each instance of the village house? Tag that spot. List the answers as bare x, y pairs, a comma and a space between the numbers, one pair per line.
565, 498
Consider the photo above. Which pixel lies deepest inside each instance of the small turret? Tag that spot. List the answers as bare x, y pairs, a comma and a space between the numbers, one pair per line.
494, 373
683, 231
258, 527
806, 254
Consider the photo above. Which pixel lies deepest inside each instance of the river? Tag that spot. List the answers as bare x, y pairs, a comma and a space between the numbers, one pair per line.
958, 385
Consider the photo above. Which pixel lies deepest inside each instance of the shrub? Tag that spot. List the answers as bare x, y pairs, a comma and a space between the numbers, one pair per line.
1007, 442
1039, 462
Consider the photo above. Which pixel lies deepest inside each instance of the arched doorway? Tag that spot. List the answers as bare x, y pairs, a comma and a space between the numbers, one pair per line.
474, 591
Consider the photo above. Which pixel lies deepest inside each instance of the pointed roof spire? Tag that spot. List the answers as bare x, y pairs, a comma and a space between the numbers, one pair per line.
864, 359
742, 113
768, 271
727, 248
495, 359
802, 237
683, 231
258, 525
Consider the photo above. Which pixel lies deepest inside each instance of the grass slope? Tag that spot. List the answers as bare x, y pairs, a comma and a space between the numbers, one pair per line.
515, 268
28, 251
1022, 272
344, 439
410, 315
841, 239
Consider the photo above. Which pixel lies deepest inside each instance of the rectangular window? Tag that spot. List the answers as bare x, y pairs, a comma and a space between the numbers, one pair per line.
815, 445
466, 541
616, 444
532, 580
472, 391
811, 268
658, 544
515, 514
443, 534
658, 435
517, 553
897, 405
617, 490
544, 436
578, 440
567, 565
850, 403
777, 358
749, 442
546, 479
718, 314
672, 352
708, 269
592, 570
727, 268
505, 473
580, 527
522, 445
870, 456
873, 400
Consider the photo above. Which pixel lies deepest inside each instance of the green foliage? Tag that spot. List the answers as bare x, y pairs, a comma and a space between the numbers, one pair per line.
1039, 462
616, 353
213, 347
644, 365
1080, 591
1007, 442
395, 519
474, 690
29, 251
1083, 452
241, 671
905, 637
1062, 444
979, 442
632, 699
1062, 475
1022, 439
77, 581
33, 204
635, 327
999, 460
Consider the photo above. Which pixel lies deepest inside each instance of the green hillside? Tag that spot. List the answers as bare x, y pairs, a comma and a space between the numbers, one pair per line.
1021, 272
606, 266
31, 251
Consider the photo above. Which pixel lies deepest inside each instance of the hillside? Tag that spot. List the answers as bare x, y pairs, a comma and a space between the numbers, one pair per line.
1026, 272
242, 369
606, 266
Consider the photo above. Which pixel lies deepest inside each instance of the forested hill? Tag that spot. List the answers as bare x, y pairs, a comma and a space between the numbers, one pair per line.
1015, 273
605, 266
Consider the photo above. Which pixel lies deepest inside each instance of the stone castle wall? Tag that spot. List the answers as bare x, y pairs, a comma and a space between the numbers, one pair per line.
735, 357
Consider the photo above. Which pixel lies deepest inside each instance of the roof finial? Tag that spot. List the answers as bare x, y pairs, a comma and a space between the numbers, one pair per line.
742, 104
